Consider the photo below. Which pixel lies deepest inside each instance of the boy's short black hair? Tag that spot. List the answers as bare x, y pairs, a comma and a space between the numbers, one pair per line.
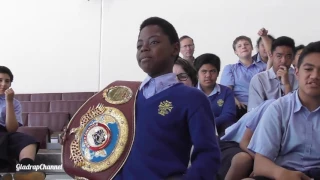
239, 38
313, 47
5, 70
165, 26
298, 48
283, 41
260, 39
207, 58
189, 69
185, 37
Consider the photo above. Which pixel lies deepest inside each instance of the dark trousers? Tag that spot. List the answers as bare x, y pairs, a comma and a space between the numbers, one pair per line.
241, 112
11, 145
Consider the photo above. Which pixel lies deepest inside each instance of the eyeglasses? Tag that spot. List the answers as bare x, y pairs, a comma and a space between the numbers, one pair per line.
187, 46
182, 76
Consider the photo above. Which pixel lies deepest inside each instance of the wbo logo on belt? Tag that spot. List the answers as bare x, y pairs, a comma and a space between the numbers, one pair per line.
100, 135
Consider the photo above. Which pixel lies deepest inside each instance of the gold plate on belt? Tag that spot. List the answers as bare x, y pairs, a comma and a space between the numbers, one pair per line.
100, 139
117, 94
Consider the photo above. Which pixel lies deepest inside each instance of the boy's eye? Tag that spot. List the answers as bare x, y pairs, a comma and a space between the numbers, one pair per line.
154, 42
288, 56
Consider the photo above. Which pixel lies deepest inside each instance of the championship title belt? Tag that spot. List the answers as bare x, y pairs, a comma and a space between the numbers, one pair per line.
100, 135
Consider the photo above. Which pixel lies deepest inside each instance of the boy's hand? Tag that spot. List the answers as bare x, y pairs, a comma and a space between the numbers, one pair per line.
282, 73
239, 104
9, 93
294, 175
263, 32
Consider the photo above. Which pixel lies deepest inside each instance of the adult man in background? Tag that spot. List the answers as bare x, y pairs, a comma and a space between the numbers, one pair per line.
187, 48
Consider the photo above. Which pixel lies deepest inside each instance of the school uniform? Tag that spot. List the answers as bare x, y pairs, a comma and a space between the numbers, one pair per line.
266, 85
288, 134
11, 143
257, 58
170, 118
239, 76
222, 105
230, 142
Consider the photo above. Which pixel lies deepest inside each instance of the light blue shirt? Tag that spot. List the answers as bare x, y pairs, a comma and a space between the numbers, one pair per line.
266, 85
292, 70
151, 86
250, 120
261, 63
17, 110
239, 76
215, 90
289, 134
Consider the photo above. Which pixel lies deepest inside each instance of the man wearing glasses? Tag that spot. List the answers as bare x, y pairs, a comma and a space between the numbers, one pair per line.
187, 48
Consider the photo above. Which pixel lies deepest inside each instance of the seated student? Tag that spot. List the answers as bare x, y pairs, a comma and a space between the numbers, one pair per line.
262, 57
164, 136
277, 81
187, 75
286, 142
14, 144
237, 76
298, 50
266, 42
185, 72
221, 97
237, 161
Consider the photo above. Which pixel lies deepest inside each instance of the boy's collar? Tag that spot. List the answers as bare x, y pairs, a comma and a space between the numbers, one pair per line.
168, 77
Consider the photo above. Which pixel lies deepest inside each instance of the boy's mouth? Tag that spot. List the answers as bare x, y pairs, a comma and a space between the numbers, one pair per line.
145, 59
313, 84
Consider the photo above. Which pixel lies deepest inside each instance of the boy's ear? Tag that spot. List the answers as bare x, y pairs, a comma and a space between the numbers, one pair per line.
270, 55
176, 49
296, 72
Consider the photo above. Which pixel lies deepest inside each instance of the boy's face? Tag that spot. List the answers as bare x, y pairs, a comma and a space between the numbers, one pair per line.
243, 49
296, 58
155, 53
207, 75
5, 82
308, 75
262, 50
282, 56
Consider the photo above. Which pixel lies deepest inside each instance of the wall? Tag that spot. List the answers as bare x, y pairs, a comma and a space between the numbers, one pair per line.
81, 45
51, 45
212, 24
